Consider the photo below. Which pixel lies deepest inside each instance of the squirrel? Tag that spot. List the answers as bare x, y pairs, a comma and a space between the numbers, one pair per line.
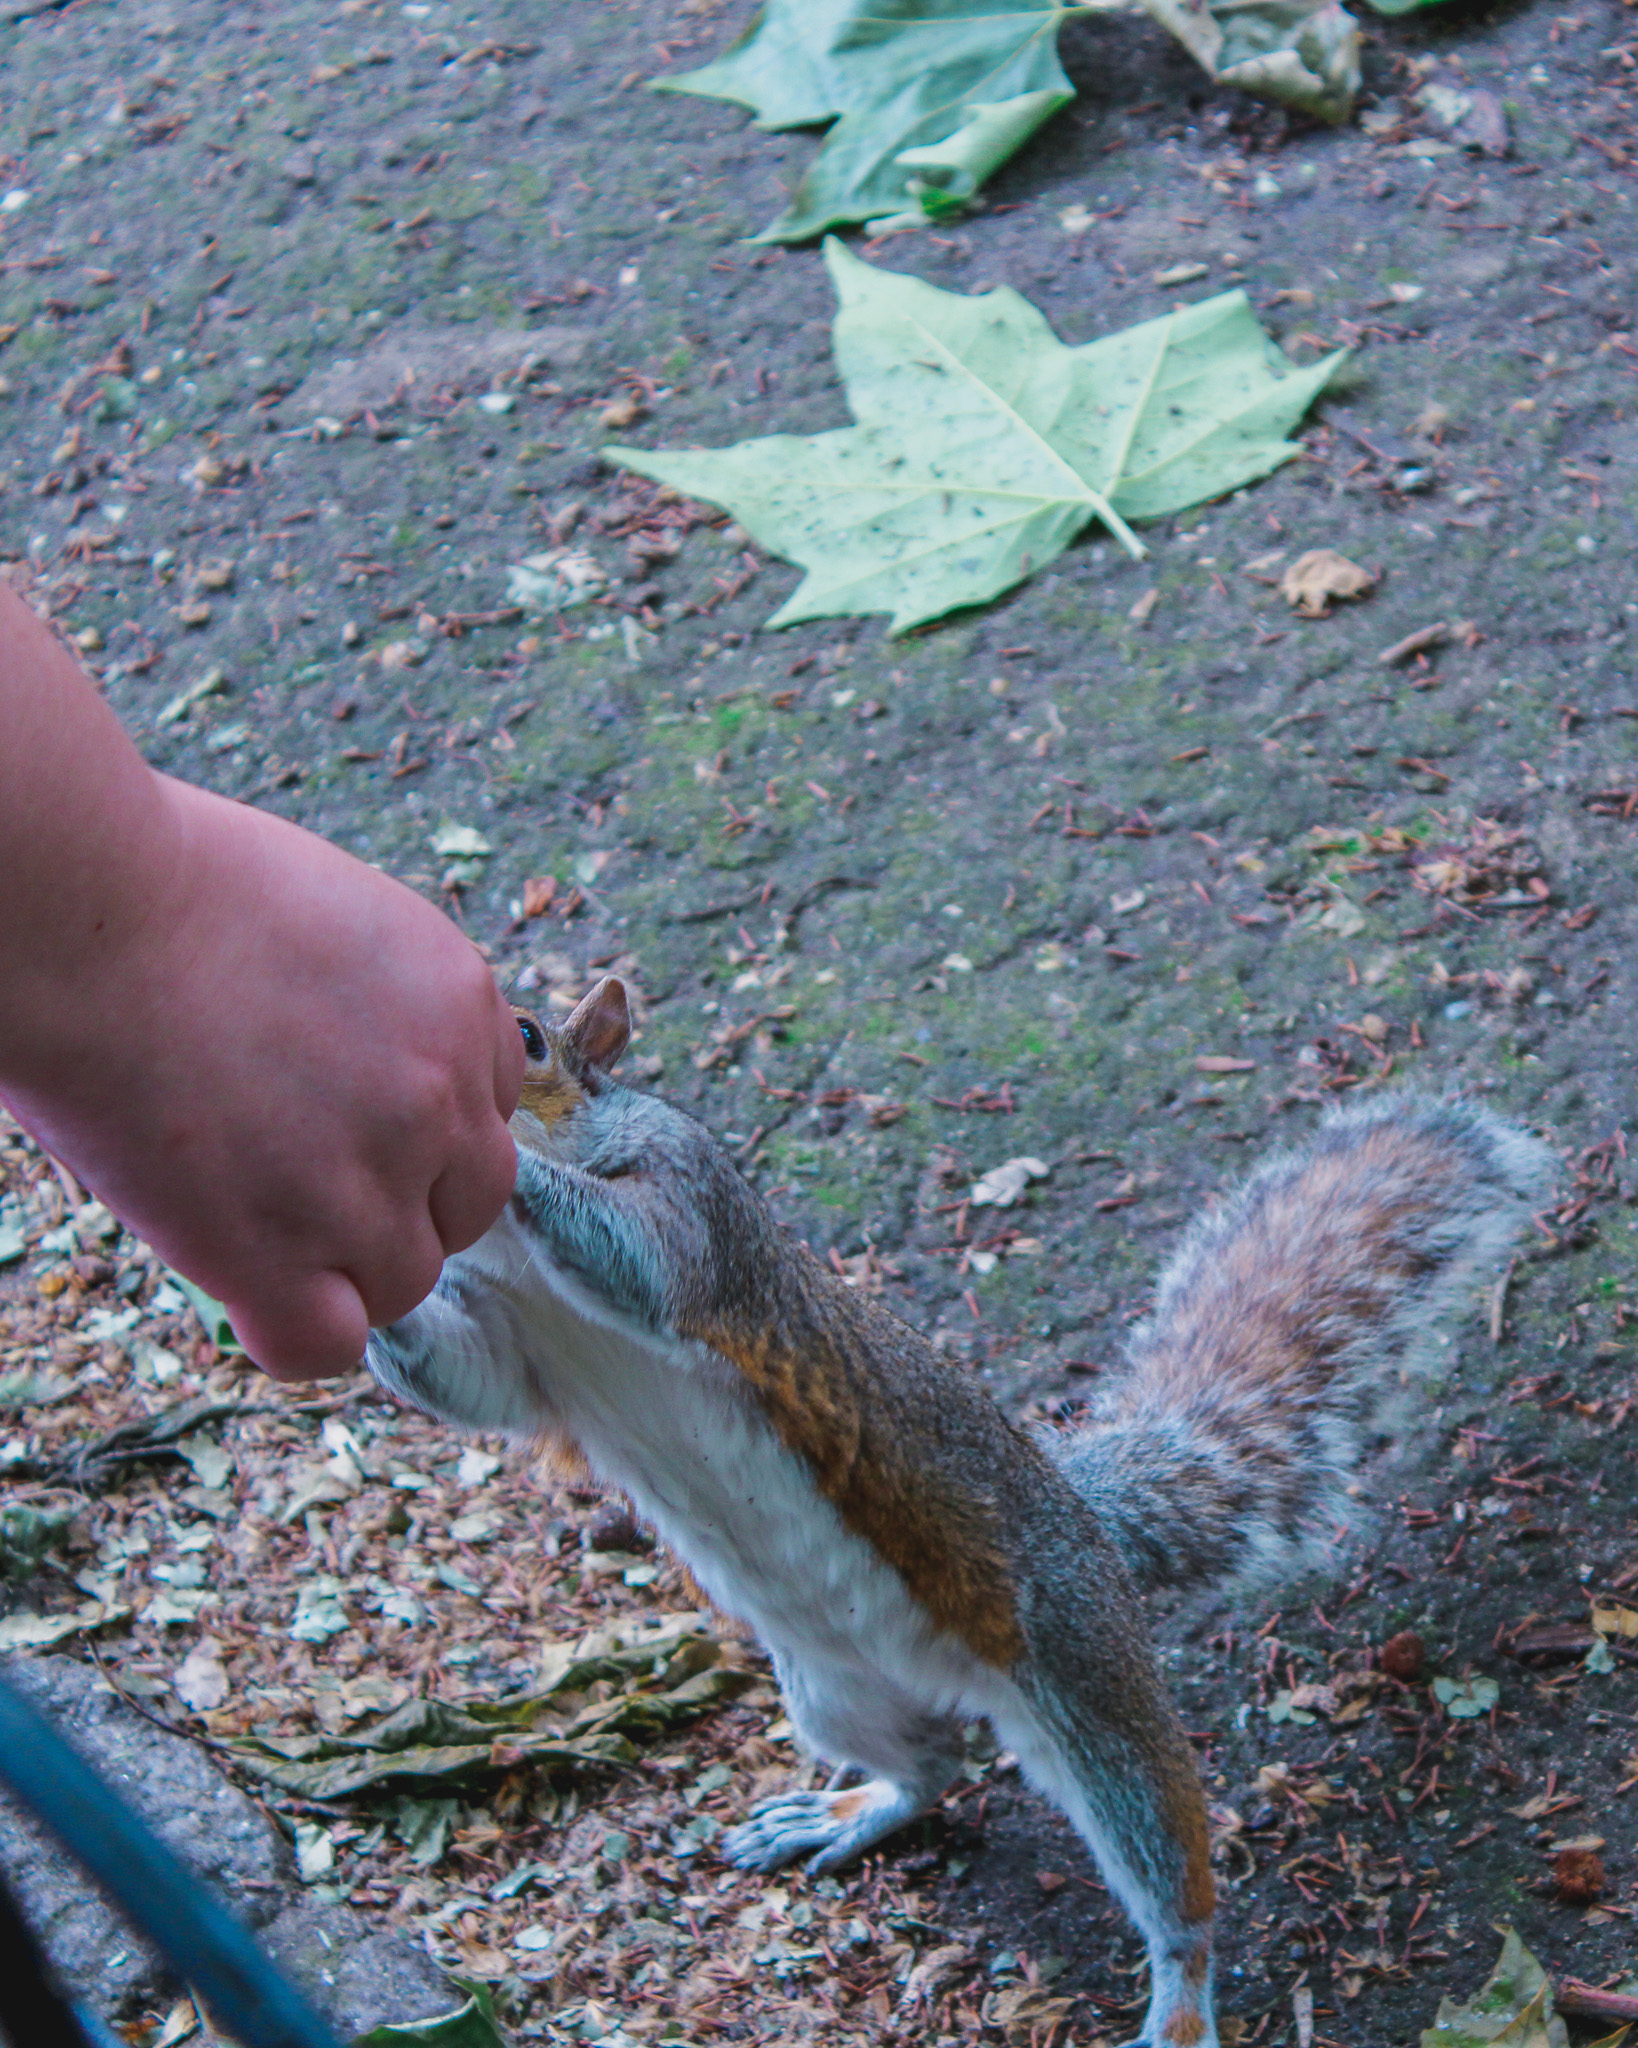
912, 1560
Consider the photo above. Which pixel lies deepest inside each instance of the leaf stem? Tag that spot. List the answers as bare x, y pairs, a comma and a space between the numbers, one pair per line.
1119, 528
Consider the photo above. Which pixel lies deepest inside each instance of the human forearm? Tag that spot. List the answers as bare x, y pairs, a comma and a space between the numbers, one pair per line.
286, 1071
88, 845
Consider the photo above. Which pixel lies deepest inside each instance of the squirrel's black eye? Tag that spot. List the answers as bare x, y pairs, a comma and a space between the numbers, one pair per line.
534, 1039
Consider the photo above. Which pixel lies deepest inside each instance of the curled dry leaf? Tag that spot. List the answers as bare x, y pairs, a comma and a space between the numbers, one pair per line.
1315, 580
663, 1672
201, 1679
1003, 1184
933, 1973
1287, 51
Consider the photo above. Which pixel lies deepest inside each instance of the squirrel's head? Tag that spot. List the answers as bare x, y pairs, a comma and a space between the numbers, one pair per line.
568, 1065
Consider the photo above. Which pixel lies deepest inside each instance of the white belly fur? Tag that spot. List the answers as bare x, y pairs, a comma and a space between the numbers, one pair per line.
674, 1425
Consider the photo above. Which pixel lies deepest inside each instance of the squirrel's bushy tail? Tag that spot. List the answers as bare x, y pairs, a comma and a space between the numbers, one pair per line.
1283, 1312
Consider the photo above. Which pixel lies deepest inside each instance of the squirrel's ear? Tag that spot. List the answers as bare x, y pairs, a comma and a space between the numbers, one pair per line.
599, 1027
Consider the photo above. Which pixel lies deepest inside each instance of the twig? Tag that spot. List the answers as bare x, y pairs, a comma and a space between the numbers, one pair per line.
1574, 1996
1498, 1301
711, 910
148, 1714
823, 886
1414, 643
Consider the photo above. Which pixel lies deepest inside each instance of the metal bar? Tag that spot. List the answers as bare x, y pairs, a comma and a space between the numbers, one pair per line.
245, 1995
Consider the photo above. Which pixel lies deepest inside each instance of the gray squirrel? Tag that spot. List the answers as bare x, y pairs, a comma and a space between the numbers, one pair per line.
913, 1560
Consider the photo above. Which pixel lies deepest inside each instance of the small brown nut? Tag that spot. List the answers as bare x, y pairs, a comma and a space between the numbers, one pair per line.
1578, 1877
1404, 1656
613, 1527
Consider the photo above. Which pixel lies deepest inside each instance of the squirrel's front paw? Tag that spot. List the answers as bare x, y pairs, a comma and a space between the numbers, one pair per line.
456, 1357
839, 1825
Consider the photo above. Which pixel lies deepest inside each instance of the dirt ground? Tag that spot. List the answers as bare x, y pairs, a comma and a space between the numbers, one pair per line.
1131, 888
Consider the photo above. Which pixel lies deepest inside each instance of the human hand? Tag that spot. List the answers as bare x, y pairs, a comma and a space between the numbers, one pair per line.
287, 1072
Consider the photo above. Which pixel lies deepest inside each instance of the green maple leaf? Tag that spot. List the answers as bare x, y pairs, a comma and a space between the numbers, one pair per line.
932, 96
470, 2026
929, 97
983, 445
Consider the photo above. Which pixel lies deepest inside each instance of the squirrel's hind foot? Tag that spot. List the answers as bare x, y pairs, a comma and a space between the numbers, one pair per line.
1180, 2011
1187, 2030
837, 1825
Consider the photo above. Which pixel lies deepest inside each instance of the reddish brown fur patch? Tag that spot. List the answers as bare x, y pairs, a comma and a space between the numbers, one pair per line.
548, 1095
892, 1435
1263, 1315
1183, 1811
563, 1458
846, 1804
1184, 2029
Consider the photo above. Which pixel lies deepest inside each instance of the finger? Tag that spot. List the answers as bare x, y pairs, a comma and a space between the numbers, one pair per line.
465, 1199
307, 1331
509, 1057
401, 1273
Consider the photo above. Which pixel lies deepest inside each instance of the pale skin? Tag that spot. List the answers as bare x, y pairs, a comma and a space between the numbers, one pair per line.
286, 1072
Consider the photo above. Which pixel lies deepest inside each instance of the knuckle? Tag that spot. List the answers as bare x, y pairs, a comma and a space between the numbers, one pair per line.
411, 1278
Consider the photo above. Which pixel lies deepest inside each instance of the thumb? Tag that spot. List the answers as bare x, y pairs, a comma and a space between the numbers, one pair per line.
313, 1330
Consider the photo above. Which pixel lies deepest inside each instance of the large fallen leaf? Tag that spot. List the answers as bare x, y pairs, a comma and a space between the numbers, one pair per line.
667, 1671
469, 2026
26, 1631
984, 445
1514, 2005
929, 97
1513, 2009
933, 95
